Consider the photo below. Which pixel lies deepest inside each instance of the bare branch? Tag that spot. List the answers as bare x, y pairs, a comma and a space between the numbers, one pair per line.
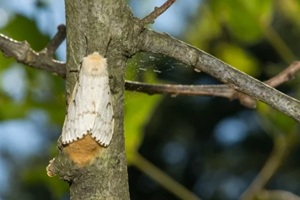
174, 89
23, 53
284, 76
211, 90
59, 37
149, 19
162, 43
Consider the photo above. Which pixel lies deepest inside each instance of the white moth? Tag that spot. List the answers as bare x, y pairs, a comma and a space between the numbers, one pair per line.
90, 109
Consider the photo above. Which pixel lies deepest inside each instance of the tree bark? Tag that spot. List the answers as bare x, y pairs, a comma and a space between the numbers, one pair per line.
96, 26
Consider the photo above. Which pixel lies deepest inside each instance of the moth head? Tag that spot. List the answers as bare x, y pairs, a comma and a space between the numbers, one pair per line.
94, 64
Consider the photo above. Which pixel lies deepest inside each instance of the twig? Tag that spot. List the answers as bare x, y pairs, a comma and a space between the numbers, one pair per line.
59, 37
174, 89
284, 76
220, 90
149, 19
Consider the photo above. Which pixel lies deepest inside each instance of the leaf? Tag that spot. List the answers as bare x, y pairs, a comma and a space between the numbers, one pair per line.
290, 9
238, 58
205, 28
138, 110
21, 28
244, 19
276, 122
138, 107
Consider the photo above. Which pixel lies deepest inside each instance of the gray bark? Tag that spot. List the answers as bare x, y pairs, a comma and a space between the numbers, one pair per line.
98, 26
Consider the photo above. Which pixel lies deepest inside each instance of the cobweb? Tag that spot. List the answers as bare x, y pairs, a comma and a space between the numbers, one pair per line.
161, 69
158, 68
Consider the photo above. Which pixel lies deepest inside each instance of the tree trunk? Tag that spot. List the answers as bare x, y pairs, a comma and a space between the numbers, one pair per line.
95, 172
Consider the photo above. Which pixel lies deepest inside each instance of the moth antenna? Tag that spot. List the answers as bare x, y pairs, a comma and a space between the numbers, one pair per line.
87, 45
107, 46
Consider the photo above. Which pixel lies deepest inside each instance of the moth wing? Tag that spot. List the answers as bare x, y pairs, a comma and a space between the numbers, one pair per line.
90, 111
81, 113
103, 128
69, 128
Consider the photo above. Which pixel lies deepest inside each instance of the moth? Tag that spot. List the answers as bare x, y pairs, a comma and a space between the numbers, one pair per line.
90, 108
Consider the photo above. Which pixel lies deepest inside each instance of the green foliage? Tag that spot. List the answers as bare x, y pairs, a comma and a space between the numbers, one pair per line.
21, 28
276, 122
138, 108
238, 57
290, 9
42, 90
244, 19
237, 22
36, 179
205, 28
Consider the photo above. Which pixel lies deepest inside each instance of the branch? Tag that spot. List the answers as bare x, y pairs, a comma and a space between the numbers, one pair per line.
149, 19
175, 89
152, 41
284, 76
23, 53
59, 37
212, 90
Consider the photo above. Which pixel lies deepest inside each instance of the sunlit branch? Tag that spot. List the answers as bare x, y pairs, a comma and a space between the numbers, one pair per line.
23, 53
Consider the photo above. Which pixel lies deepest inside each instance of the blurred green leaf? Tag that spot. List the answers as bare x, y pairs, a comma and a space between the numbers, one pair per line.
21, 28
138, 107
244, 18
204, 29
238, 57
291, 10
35, 176
138, 110
43, 91
276, 122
